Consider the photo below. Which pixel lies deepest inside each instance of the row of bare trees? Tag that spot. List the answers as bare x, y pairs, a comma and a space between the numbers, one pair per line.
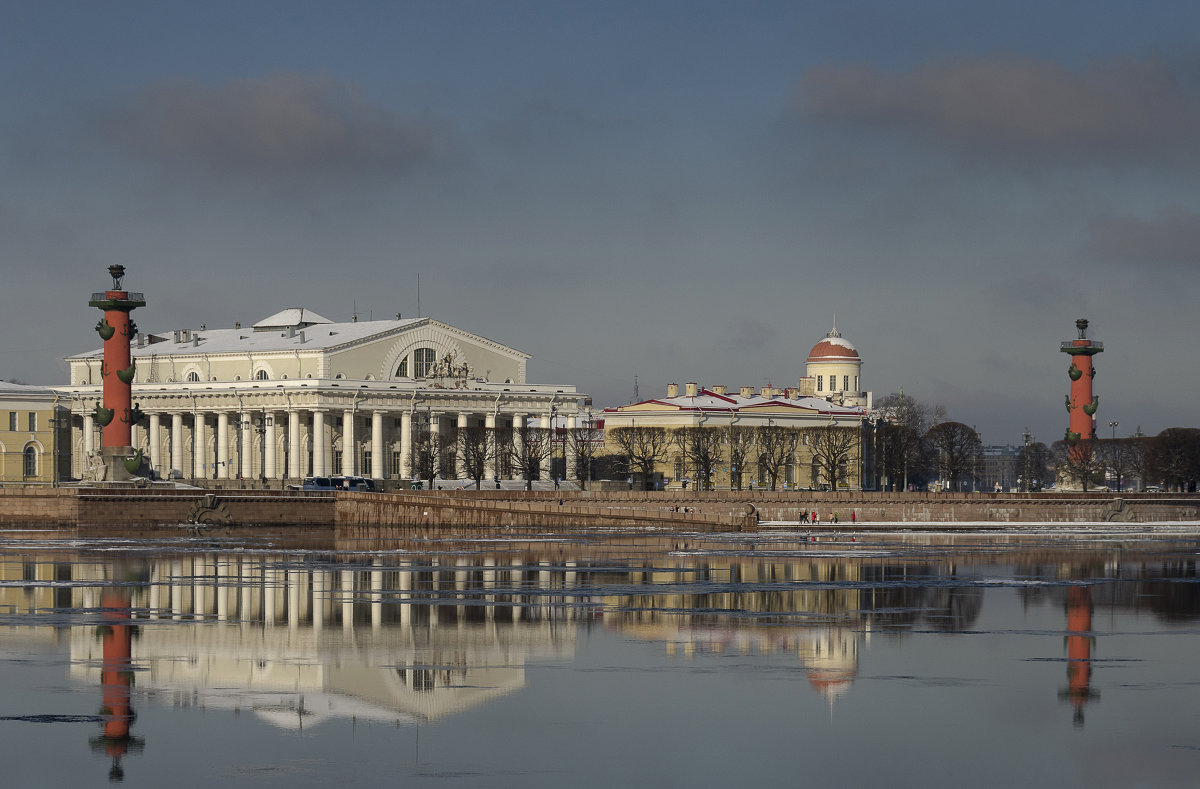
474, 452
1169, 460
917, 443
770, 449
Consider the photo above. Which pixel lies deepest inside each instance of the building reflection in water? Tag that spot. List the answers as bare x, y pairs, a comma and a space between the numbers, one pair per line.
300, 638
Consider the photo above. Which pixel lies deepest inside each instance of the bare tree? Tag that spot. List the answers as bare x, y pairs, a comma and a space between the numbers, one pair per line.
426, 455
584, 442
1174, 458
1116, 456
741, 441
905, 421
530, 447
1033, 465
1076, 460
477, 447
832, 448
955, 447
776, 449
701, 450
645, 447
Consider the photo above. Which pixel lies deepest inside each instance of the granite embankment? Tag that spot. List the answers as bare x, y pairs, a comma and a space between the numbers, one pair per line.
673, 510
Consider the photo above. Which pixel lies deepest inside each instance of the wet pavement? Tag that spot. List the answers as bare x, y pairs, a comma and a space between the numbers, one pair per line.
933, 659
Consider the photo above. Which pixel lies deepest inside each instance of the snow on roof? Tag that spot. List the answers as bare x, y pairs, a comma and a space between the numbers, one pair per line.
213, 341
292, 316
11, 388
710, 401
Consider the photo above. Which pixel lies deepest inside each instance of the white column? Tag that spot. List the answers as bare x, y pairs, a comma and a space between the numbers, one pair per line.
348, 464
247, 446
222, 454
377, 445
489, 424
293, 469
460, 456
406, 469
435, 432
155, 443
198, 453
89, 431
518, 450
177, 442
569, 472
548, 426
270, 467
318, 443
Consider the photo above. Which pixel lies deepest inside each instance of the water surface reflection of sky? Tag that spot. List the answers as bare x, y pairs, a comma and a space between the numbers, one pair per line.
684, 660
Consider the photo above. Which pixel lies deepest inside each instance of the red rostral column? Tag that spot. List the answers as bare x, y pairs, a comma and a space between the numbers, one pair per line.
117, 415
1081, 404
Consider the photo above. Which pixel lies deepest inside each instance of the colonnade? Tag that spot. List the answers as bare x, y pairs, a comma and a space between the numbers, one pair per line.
289, 443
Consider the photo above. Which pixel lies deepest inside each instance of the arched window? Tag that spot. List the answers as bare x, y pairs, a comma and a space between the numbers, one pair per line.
261, 375
402, 372
30, 462
423, 361
193, 376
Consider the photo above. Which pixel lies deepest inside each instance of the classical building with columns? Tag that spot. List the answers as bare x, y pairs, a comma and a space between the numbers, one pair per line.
296, 394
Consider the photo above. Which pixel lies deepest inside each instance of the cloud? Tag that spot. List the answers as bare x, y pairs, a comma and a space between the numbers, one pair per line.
1022, 104
1171, 240
276, 124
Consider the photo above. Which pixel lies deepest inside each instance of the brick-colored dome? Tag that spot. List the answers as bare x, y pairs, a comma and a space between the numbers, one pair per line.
833, 348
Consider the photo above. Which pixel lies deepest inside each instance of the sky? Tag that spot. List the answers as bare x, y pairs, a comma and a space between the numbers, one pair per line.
629, 191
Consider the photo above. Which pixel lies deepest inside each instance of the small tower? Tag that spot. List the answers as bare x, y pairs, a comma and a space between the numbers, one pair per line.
1081, 404
116, 414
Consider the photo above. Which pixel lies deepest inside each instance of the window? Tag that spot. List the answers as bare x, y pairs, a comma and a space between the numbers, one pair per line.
846, 382
365, 468
395, 464
261, 375
403, 371
423, 361
12, 421
30, 462
193, 376
820, 383
678, 470
856, 383
337, 460
32, 422
832, 383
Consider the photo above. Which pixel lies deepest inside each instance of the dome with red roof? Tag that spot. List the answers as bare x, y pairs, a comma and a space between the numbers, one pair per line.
833, 347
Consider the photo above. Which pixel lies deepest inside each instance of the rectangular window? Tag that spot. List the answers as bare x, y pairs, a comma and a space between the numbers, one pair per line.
395, 464
32, 422
846, 382
678, 469
337, 461
365, 469
12, 421
833, 383
820, 383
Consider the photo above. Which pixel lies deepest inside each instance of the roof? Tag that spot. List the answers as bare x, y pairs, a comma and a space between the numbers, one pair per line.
320, 336
706, 400
292, 316
832, 348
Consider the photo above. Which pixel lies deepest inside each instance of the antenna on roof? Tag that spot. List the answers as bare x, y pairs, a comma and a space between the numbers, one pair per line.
637, 398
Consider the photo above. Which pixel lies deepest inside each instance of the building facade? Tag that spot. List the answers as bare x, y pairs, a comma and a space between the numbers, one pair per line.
297, 394
827, 426
34, 442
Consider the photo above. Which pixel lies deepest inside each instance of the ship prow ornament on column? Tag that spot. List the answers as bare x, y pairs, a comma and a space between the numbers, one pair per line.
117, 414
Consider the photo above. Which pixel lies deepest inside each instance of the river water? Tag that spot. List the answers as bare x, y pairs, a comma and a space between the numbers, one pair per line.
928, 660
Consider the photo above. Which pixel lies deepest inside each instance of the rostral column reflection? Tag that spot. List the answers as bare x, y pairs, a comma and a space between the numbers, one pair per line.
1079, 651
116, 680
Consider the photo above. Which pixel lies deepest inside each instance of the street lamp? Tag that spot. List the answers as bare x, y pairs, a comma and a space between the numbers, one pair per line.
1026, 437
1113, 455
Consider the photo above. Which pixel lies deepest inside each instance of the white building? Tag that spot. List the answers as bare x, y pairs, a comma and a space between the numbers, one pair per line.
298, 394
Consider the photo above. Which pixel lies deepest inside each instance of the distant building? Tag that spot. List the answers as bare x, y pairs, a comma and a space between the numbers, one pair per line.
34, 442
828, 396
298, 394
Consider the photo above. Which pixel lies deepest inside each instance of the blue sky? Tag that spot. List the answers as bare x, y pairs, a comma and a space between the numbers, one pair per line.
673, 191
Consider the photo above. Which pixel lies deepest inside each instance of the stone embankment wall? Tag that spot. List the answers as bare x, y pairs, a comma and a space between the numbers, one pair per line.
704, 511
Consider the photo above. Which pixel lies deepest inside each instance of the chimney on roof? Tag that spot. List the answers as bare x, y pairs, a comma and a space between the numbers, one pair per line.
722, 389
767, 391
237, 324
690, 389
672, 390
746, 391
793, 393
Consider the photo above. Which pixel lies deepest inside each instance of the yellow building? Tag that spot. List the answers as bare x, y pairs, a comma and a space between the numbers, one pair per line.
33, 433
816, 435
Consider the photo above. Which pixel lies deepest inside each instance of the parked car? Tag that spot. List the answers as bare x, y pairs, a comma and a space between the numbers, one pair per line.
339, 483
